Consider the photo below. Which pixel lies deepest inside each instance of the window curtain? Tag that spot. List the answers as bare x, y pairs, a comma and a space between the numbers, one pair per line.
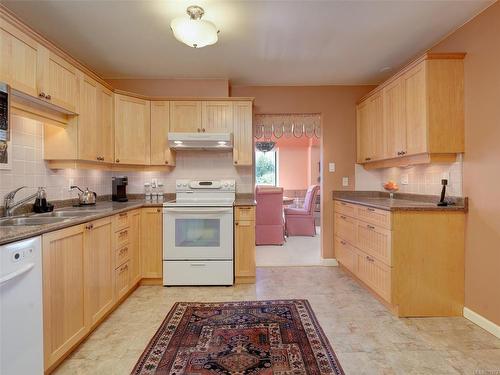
288, 125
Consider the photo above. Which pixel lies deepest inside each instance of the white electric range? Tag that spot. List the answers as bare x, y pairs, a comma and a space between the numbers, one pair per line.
198, 234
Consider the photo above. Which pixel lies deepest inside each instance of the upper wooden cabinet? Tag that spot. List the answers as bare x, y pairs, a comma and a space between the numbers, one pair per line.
217, 117
415, 117
88, 125
34, 70
160, 126
19, 60
132, 130
243, 133
185, 116
106, 131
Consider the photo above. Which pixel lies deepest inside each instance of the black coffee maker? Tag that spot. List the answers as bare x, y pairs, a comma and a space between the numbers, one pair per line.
120, 189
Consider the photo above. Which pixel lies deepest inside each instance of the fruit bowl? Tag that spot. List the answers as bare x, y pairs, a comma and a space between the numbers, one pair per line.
391, 187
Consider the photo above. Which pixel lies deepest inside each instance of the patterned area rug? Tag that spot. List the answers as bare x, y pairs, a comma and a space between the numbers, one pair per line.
260, 337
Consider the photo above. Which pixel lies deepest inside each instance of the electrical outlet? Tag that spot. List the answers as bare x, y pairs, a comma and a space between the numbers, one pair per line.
345, 181
331, 167
71, 182
404, 179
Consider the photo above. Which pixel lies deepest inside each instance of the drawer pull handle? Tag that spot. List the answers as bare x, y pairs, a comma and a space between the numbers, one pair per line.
244, 208
343, 217
124, 250
370, 226
124, 268
197, 264
343, 203
123, 214
123, 233
343, 242
370, 209
369, 259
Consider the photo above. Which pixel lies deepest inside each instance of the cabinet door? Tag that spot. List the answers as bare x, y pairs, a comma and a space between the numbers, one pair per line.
244, 242
375, 274
88, 124
18, 60
394, 119
135, 247
59, 81
132, 130
151, 243
346, 255
122, 280
217, 116
376, 127
416, 109
63, 291
105, 109
364, 153
160, 126
99, 262
374, 241
243, 133
185, 116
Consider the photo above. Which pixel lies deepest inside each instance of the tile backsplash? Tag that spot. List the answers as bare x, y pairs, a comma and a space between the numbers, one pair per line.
421, 179
29, 169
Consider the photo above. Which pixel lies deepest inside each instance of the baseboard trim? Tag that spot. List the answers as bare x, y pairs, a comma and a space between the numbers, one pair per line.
482, 322
329, 262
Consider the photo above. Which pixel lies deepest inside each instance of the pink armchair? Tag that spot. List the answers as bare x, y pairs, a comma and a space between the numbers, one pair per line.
269, 226
300, 221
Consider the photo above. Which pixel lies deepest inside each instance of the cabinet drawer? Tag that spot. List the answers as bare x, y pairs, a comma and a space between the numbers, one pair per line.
122, 280
345, 208
375, 274
121, 221
345, 228
346, 255
122, 238
245, 213
375, 241
122, 255
374, 216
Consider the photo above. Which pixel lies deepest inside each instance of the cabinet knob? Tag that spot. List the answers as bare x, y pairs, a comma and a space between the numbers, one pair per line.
166, 161
199, 130
158, 210
370, 226
117, 160
368, 159
236, 162
236, 223
203, 130
48, 97
41, 95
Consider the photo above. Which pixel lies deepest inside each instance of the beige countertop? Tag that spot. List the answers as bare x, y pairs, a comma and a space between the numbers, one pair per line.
400, 202
245, 200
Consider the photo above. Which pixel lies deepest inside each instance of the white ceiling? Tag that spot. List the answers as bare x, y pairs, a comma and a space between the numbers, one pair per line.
261, 42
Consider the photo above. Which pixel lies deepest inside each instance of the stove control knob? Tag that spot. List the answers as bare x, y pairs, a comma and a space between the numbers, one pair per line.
179, 185
226, 185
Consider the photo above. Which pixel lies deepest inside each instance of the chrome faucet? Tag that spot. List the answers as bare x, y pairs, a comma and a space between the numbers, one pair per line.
10, 206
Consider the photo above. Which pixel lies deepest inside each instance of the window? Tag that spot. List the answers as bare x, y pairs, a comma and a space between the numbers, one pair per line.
266, 168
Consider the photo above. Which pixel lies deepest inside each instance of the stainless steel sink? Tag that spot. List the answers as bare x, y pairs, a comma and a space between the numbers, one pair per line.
30, 220
71, 213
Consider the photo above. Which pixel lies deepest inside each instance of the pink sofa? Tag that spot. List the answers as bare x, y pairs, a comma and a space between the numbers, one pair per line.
300, 221
269, 226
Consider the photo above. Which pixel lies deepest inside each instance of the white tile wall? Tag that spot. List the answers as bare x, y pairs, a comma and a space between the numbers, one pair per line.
29, 169
422, 179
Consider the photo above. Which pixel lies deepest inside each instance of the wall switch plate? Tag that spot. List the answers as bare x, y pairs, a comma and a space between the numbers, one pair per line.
404, 179
331, 167
345, 181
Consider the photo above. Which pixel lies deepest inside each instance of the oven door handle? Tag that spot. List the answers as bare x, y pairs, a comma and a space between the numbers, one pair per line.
199, 211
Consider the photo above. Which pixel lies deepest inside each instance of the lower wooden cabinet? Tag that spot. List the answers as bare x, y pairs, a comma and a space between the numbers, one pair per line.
99, 260
244, 244
152, 243
64, 320
122, 280
135, 247
413, 260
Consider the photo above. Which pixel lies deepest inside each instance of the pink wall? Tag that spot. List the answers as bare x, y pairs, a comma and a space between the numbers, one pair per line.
293, 167
174, 87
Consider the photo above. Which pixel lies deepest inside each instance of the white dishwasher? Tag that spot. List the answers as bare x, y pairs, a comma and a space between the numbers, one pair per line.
21, 323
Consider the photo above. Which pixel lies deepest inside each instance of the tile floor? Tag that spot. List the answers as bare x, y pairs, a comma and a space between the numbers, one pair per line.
296, 251
365, 336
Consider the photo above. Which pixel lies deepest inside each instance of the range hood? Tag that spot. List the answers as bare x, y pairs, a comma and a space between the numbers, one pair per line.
200, 141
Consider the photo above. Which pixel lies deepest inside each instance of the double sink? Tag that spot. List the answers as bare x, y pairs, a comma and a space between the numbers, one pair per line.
50, 217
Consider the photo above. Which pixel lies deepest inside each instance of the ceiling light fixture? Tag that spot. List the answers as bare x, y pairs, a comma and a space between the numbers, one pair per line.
194, 31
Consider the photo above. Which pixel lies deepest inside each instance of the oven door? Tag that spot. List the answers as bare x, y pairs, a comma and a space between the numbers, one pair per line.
201, 233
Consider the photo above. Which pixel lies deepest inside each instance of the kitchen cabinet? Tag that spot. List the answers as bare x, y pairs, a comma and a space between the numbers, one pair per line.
415, 117
88, 125
65, 322
19, 60
244, 243
106, 133
99, 269
132, 130
152, 243
185, 116
161, 154
58, 81
135, 247
243, 133
393, 254
217, 116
